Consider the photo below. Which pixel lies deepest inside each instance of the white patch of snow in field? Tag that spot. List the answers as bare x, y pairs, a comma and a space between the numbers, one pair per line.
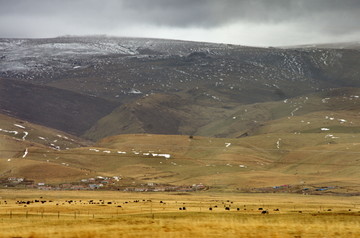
20, 126
167, 156
227, 144
342, 120
41, 138
25, 135
25, 153
292, 113
325, 100
278, 143
55, 146
11, 132
180, 71
135, 91
107, 151
121, 152
242, 166
9, 160
96, 150
67, 138
331, 136
325, 129
216, 98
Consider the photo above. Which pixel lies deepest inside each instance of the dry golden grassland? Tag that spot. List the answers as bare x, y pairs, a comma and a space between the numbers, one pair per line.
158, 215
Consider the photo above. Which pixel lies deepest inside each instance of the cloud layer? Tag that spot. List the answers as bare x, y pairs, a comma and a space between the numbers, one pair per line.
247, 22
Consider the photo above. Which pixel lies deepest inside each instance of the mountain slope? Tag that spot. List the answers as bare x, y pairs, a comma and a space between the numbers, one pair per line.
71, 112
211, 79
17, 135
336, 107
119, 68
159, 114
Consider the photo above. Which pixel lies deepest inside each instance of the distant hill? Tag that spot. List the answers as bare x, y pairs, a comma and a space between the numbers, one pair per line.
231, 117
333, 108
19, 137
18, 134
190, 84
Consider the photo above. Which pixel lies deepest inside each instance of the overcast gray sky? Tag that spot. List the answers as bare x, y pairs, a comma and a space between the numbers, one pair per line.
244, 22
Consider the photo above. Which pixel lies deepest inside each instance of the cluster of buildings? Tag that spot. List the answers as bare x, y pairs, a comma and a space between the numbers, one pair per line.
15, 182
100, 182
151, 187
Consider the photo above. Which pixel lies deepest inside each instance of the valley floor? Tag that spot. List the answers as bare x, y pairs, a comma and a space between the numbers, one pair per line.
34, 213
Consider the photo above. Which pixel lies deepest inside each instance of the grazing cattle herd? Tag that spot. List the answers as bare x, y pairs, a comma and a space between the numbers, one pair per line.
156, 206
226, 204
227, 207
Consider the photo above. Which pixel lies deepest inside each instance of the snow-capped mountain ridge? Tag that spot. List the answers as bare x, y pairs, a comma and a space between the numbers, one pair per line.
201, 81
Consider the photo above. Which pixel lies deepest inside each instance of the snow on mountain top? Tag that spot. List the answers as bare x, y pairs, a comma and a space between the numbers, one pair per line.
32, 54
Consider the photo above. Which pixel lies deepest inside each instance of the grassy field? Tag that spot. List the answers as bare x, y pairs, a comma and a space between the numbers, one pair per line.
306, 159
115, 214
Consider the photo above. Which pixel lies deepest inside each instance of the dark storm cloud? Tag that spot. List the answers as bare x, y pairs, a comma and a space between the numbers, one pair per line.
38, 18
205, 13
